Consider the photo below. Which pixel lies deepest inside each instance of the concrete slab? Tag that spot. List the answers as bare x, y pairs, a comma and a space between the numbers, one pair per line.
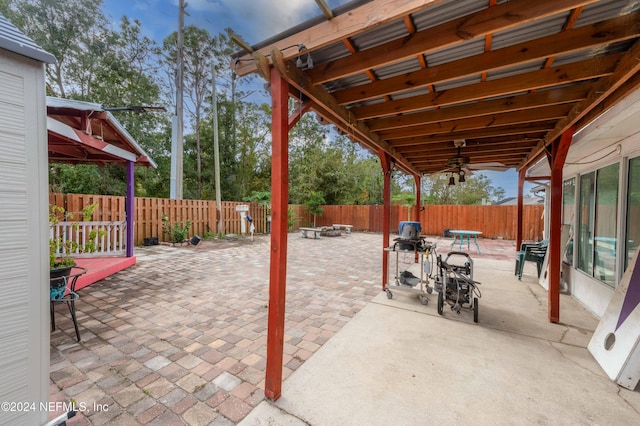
398, 362
267, 414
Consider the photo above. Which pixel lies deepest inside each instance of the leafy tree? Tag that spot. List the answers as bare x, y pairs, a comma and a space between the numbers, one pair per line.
475, 190
62, 28
313, 203
406, 199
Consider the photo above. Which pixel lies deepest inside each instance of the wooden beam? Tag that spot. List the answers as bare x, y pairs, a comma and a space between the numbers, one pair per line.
240, 42
279, 212
520, 209
297, 114
478, 24
356, 21
482, 108
326, 10
589, 36
498, 131
559, 151
567, 73
385, 162
626, 68
447, 153
495, 120
620, 93
319, 96
439, 148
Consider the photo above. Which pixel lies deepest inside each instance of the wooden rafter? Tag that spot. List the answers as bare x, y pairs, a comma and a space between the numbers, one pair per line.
518, 93
326, 10
369, 15
573, 72
626, 68
326, 102
501, 17
589, 36
506, 119
480, 109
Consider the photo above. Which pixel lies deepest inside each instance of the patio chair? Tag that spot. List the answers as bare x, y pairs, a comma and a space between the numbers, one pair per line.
533, 252
62, 289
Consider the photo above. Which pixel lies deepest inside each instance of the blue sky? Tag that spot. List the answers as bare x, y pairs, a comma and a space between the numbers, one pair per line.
254, 20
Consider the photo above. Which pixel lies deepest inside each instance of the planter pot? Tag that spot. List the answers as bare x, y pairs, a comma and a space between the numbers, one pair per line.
57, 281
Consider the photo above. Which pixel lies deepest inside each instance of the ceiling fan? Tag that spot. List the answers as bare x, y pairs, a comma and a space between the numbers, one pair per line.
460, 161
461, 164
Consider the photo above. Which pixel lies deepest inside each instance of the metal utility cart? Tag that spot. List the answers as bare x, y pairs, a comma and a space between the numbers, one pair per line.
414, 250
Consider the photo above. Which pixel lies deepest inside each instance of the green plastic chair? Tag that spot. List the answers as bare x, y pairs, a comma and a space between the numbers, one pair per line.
533, 252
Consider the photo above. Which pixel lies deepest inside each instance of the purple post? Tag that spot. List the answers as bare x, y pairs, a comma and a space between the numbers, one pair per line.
128, 207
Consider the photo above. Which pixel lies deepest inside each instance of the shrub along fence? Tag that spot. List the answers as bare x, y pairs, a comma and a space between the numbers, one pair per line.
492, 221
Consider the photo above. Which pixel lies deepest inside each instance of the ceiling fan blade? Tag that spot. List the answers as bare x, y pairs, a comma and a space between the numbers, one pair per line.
499, 167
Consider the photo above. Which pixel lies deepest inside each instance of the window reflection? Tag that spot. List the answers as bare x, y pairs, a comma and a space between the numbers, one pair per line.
598, 223
606, 224
586, 222
568, 211
633, 211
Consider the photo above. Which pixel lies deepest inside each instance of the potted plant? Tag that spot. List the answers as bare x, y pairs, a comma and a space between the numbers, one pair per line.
60, 266
60, 263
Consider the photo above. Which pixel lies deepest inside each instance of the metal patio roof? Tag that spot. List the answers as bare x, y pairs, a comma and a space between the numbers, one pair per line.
506, 78
84, 133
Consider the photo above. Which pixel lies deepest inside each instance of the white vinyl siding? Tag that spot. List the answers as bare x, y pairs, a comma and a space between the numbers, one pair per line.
24, 320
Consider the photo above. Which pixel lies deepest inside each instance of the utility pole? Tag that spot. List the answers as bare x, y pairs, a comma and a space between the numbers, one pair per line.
178, 143
216, 150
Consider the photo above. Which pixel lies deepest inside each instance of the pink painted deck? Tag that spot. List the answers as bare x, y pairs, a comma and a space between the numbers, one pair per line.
99, 268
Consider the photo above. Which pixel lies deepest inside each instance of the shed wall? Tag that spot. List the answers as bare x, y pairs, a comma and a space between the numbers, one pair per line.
24, 318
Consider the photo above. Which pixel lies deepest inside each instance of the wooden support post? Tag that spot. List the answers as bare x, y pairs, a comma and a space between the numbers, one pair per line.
385, 161
520, 209
128, 208
416, 208
278, 260
559, 150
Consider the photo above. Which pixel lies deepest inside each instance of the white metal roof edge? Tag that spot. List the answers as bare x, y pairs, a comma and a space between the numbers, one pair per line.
89, 106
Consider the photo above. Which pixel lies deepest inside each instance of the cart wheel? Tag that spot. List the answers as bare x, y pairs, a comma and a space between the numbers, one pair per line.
389, 294
423, 299
475, 309
440, 303
429, 290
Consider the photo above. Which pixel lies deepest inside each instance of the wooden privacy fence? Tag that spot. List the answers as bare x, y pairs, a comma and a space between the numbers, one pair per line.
492, 221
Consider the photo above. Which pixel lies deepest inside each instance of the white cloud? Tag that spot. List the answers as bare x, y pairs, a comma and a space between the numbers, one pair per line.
265, 18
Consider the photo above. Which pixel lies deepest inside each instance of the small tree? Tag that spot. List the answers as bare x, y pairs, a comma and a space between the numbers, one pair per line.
406, 199
313, 204
177, 232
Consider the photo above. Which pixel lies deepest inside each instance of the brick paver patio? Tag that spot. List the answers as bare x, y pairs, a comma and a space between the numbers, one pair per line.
180, 338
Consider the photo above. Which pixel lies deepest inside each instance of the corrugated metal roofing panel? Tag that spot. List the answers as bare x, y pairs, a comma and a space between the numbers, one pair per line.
329, 53
349, 81
446, 11
604, 10
583, 55
13, 40
458, 83
458, 51
532, 30
515, 70
365, 103
397, 68
379, 35
410, 93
